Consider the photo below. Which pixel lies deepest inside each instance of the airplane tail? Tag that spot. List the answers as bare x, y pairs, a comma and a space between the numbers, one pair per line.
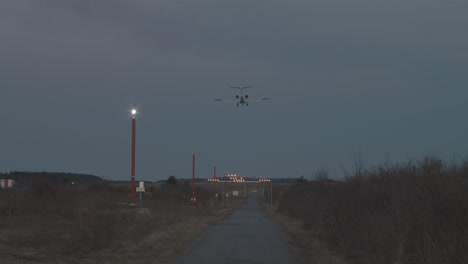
241, 87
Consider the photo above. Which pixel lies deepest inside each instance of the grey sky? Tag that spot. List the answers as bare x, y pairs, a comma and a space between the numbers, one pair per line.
347, 79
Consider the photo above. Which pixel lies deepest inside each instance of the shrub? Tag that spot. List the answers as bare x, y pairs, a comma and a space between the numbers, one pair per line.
411, 213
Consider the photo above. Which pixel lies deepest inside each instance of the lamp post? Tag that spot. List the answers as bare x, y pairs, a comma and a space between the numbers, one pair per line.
193, 200
214, 184
214, 177
132, 183
224, 182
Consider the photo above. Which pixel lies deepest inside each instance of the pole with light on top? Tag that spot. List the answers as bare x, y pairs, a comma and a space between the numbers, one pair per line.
214, 184
132, 183
193, 200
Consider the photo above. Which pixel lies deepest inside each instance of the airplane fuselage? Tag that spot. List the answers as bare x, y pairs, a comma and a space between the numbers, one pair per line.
242, 101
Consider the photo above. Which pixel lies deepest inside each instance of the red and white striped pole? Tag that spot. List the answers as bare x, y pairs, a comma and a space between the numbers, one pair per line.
193, 200
214, 177
214, 185
132, 183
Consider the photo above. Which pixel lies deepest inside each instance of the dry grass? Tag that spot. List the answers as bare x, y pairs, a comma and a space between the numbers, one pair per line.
412, 213
57, 224
308, 248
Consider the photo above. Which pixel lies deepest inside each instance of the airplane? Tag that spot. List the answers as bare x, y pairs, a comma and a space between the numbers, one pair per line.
242, 99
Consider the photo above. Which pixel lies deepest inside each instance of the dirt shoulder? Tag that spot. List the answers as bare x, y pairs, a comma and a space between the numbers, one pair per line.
155, 246
160, 245
57, 224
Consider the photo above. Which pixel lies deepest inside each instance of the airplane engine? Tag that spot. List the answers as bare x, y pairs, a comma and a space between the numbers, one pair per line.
246, 96
237, 96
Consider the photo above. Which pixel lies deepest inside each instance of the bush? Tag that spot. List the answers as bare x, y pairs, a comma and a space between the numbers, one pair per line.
412, 213
68, 220
171, 180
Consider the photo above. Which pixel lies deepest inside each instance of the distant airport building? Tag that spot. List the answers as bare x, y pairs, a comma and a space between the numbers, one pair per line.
6, 183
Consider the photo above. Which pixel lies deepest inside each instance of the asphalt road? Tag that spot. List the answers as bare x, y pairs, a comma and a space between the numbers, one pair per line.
247, 236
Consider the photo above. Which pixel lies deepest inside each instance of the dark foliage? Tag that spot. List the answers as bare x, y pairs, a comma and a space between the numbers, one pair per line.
28, 178
171, 180
412, 213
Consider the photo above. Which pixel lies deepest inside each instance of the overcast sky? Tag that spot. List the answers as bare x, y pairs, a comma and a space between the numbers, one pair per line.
349, 80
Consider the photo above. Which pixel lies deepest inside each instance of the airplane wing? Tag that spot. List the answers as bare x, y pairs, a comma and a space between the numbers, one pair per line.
222, 100
261, 99
241, 87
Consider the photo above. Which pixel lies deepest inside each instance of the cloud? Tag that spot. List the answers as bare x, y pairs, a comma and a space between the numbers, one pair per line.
342, 74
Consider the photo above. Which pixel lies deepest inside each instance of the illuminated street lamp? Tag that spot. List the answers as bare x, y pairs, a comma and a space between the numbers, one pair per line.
193, 200
132, 183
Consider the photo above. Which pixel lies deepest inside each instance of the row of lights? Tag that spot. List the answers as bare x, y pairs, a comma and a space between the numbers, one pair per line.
232, 177
235, 178
238, 179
